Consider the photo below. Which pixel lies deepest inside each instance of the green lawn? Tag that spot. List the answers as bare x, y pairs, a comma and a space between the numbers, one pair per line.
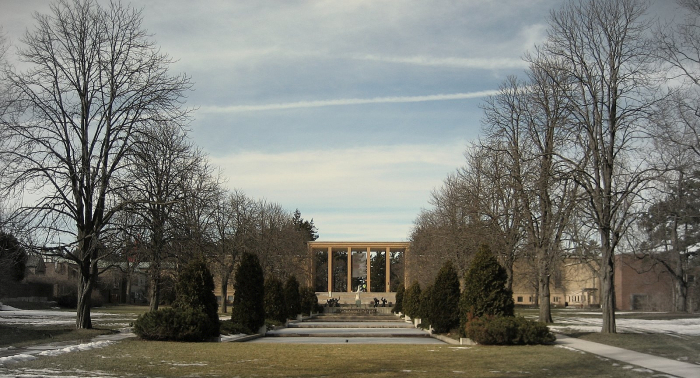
145, 359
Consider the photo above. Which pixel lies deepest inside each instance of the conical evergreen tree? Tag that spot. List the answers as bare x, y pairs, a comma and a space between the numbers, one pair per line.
485, 291
424, 305
274, 300
444, 300
292, 299
398, 305
309, 300
195, 290
411, 300
248, 301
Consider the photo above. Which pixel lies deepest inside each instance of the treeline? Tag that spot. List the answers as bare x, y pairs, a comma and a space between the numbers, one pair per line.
97, 167
591, 152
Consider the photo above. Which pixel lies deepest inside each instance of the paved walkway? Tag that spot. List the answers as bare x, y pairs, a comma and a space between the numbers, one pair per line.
664, 365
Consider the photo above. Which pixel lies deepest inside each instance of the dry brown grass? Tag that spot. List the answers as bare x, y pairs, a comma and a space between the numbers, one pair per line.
146, 359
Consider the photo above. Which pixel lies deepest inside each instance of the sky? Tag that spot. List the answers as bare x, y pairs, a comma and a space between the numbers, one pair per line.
351, 111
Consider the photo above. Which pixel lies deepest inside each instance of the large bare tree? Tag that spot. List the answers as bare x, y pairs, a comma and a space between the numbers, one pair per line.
526, 124
604, 52
95, 79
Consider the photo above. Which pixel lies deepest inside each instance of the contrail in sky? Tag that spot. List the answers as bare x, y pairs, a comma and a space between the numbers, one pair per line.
345, 101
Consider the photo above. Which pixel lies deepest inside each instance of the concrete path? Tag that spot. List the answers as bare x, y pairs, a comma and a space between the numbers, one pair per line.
664, 365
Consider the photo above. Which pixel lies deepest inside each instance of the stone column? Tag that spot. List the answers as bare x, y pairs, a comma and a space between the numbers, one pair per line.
387, 271
367, 262
349, 275
330, 269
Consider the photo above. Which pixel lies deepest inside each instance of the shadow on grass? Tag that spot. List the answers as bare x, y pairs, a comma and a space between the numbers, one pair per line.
20, 336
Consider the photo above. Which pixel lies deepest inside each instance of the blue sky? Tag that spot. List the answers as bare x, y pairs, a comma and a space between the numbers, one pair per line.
351, 111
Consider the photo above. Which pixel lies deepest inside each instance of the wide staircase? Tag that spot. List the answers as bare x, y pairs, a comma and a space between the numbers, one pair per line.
352, 326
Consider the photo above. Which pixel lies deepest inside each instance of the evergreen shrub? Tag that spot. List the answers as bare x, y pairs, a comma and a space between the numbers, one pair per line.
425, 305
508, 330
485, 291
193, 316
248, 307
275, 308
292, 299
309, 301
228, 327
170, 324
411, 300
195, 290
443, 309
398, 305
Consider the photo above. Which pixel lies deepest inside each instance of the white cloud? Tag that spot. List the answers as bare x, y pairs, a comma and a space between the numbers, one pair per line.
370, 193
476, 63
346, 101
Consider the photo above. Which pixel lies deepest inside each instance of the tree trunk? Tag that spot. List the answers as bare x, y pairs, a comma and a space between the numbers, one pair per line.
85, 285
155, 290
544, 303
224, 290
129, 277
509, 270
680, 294
607, 296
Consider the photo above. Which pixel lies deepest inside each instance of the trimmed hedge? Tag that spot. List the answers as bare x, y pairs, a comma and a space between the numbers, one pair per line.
228, 327
274, 300
309, 301
398, 305
193, 316
195, 290
174, 325
248, 302
485, 291
508, 330
411, 300
292, 299
443, 309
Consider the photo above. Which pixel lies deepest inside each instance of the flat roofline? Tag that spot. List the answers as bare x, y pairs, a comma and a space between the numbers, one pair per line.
358, 244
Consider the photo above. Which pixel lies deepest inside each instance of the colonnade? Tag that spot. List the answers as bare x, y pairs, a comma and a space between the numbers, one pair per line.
358, 266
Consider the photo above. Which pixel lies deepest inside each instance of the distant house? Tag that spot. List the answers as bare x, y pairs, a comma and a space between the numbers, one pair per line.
639, 285
50, 278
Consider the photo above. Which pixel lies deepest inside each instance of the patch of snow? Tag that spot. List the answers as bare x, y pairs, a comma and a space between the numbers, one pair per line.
686, 327
56, 317
16, 358
569, 348
8, 308
41, 373
77, 348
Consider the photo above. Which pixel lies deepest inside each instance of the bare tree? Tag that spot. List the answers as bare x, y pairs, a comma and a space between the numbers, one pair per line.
604, 53
526, 123
280, 244
95, 81
670, 224
160, 164
451, 230
234, 224
488, 181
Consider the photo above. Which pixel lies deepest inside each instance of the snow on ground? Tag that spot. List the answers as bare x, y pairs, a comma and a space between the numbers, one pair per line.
11, 315
680, 327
